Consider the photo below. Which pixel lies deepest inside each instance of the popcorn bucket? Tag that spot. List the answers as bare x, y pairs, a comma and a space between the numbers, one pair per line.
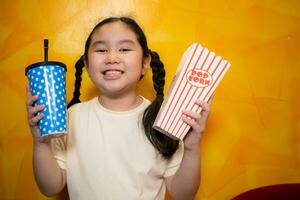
199, 73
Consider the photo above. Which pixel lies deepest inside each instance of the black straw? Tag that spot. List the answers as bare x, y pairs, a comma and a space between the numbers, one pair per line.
46, 50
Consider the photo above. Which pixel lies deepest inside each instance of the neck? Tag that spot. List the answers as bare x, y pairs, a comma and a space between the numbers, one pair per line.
123, 103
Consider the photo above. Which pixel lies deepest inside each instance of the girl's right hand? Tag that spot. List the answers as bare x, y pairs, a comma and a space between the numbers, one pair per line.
34, 115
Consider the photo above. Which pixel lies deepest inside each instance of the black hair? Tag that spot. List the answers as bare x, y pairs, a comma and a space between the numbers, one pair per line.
165, 145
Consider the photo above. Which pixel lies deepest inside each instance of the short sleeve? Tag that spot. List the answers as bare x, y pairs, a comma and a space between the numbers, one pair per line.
59, 150
175, 161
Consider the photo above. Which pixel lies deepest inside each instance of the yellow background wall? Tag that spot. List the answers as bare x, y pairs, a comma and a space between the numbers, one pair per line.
253, 134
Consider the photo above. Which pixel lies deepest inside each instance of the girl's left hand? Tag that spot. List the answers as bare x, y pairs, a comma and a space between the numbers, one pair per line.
197, 122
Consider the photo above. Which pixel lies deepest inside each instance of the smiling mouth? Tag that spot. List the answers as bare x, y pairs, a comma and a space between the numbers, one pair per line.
112, 74
112, 71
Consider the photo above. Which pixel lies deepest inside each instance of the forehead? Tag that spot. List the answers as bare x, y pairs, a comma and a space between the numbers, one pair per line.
114, 32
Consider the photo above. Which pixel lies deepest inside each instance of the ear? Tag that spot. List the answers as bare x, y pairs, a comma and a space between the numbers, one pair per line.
146, 64
85, 61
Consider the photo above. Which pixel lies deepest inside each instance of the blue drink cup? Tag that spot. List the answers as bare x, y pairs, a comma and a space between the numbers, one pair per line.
48, 81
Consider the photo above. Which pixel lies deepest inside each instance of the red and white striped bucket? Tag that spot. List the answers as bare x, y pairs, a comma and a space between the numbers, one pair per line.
199, 73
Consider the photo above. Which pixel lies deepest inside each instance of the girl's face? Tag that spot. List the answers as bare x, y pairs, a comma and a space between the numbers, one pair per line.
115, 59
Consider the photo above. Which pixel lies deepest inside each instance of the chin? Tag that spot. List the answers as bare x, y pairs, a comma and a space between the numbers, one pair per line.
114, 92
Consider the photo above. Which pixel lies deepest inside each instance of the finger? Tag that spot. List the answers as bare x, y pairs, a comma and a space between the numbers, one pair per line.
28, 93
31, 100
192, 123
33, 121
34, 110
205, 106
191, 114
205, 111
211, 99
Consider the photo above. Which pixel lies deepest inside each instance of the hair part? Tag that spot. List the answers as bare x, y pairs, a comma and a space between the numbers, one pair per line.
164, 145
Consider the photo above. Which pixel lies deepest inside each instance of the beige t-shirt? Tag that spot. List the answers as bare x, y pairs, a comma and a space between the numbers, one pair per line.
107, 155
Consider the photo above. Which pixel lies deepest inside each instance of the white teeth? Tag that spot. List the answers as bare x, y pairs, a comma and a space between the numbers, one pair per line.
112, 72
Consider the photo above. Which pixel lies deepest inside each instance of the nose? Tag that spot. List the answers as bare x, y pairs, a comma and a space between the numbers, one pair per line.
112, 57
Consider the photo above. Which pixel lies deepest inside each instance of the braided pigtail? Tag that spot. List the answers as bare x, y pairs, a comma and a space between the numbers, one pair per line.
76, 94
165, 145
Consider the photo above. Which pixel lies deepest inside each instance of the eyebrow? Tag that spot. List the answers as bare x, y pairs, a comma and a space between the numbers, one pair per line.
119, 42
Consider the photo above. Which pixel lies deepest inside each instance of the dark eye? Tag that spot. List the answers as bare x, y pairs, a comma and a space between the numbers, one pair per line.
101, 50
124, 49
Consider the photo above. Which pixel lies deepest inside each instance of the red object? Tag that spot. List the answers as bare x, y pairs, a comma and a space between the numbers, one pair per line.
272, 192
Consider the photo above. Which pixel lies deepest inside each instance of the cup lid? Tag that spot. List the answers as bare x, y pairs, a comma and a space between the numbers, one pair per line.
38, 64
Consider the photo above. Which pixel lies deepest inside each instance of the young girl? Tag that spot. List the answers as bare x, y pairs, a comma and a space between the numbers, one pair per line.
111, 150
